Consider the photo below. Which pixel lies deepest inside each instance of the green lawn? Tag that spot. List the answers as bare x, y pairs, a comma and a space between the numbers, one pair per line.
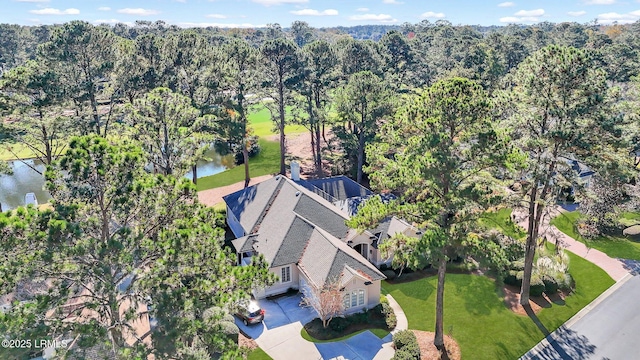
266, 162
258, 354
263, 126
21, 150
614, 246
501, 220
475, 314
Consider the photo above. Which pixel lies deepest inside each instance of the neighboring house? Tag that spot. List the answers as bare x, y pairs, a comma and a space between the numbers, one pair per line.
299, 227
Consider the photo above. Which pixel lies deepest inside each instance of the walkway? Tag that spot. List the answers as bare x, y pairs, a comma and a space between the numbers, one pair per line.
387, 350
614, 267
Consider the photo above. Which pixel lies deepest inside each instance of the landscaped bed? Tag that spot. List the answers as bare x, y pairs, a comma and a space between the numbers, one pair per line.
341, 328
616, 246
476, 315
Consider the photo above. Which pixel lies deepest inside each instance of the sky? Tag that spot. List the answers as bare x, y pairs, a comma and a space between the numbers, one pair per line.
318, 13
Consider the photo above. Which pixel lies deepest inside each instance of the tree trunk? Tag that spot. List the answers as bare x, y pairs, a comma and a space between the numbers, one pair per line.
245, 156
318, 152
360, 157
94, 110
283, 170
536, 209
194, 172
438, 340
313, 145
530, 248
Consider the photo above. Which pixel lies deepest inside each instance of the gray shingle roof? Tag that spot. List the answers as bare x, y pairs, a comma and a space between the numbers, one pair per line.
294, 225
244, 244
248, 204
294, 243
325, 259
324, 215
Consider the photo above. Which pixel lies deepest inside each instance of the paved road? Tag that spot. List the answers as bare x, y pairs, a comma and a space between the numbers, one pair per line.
610, 330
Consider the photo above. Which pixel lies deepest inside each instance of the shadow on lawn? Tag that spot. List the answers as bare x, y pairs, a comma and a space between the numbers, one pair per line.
563, 344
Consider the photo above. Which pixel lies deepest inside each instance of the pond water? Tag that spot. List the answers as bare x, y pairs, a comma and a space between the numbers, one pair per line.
25, 180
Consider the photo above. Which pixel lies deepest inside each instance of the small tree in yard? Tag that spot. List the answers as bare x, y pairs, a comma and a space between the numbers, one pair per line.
326, 301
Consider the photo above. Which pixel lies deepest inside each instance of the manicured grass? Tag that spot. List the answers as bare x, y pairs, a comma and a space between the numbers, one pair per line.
263, 126
258, 354
380, 333
614, 246
21, 150
266, 162
475, 314
501, 220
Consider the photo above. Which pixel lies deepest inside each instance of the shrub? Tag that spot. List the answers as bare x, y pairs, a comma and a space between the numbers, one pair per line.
339, 324
389, 316
230, 330
406, 346
254, 149
411, 352
390, 274
404, 337
512, 279
384, 300
550, 286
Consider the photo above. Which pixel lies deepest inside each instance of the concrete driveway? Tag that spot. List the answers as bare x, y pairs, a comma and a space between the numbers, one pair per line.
279, 335
364, 346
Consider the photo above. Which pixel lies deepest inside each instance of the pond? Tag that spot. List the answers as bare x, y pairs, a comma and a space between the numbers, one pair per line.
25, 180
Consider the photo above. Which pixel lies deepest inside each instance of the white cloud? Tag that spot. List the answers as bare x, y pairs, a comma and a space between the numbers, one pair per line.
523, 16
104, 8
530, 13
362, 9
313, 12
507, 4
599, 2
383, 18
52, 11
432, 15
216, 16
138, 11
33, 1
395, 2
106, 21
611, 17
205, 24
279, 2
577, 13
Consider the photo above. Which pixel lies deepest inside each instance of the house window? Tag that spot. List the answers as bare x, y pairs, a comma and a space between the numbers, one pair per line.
353, 299
285, 275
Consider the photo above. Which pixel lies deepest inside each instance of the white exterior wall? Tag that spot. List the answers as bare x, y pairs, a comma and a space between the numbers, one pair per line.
371, 294
279, 287
234, 224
